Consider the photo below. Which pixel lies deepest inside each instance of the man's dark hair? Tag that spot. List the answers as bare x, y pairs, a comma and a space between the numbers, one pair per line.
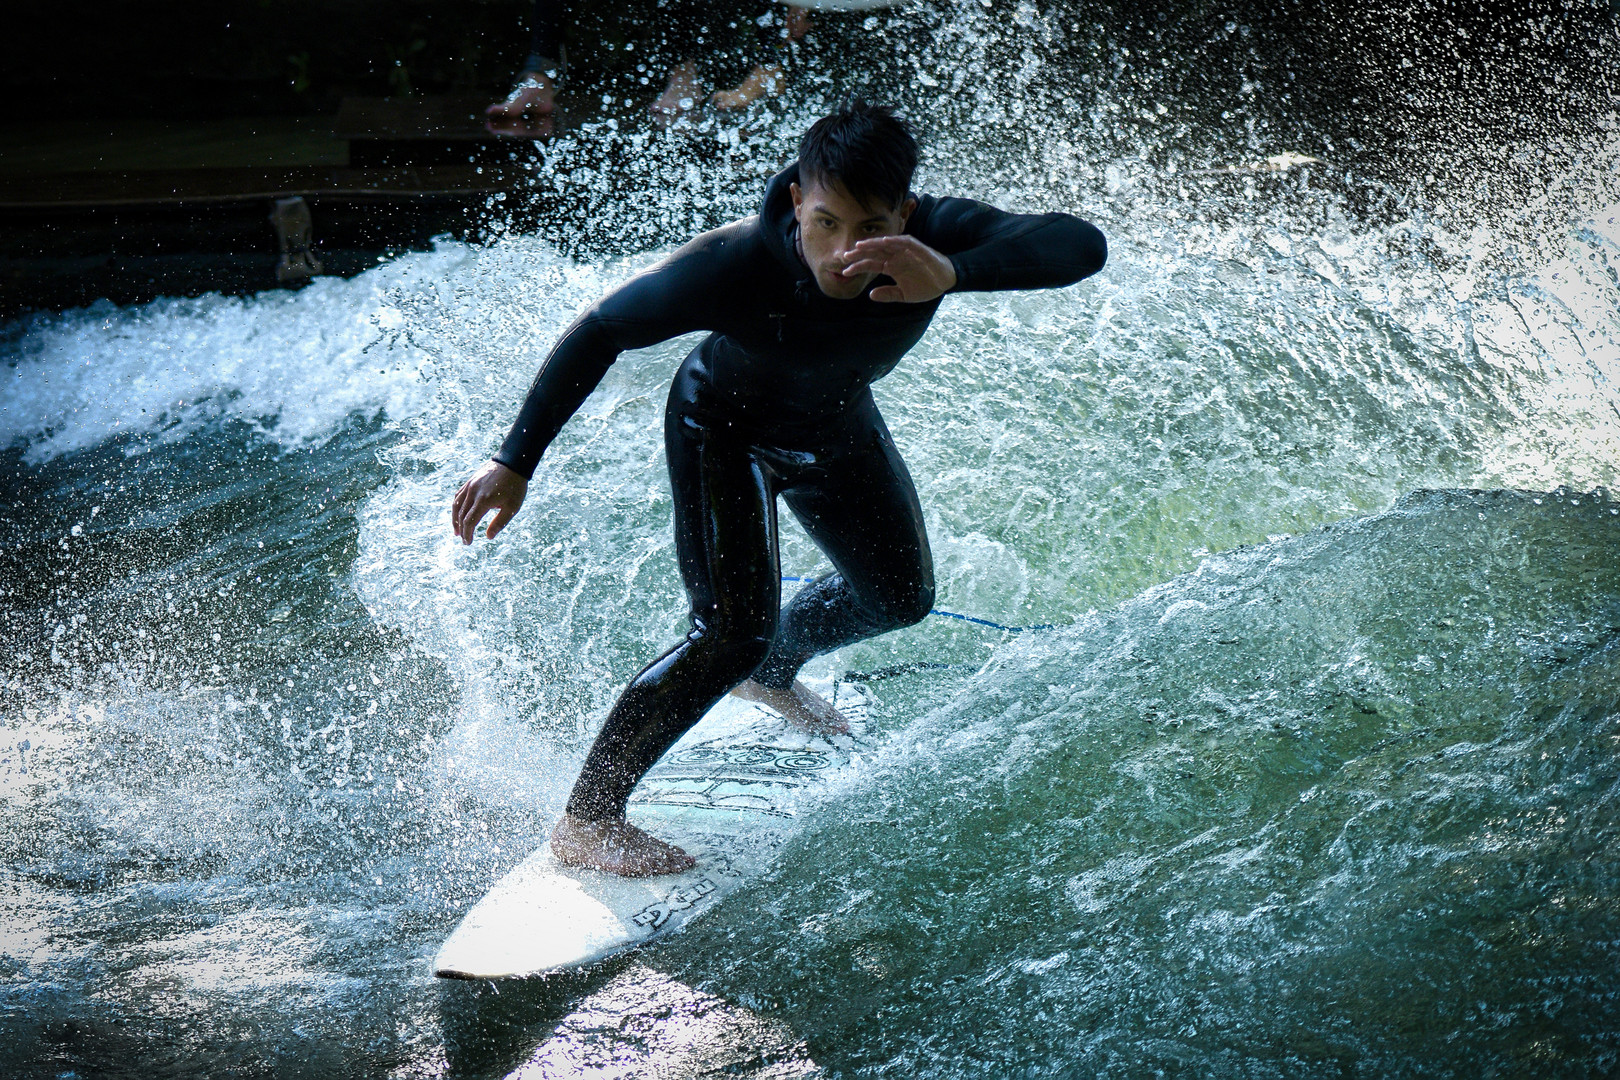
864, 149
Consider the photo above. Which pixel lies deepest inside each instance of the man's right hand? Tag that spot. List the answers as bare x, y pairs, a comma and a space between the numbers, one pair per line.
494, 487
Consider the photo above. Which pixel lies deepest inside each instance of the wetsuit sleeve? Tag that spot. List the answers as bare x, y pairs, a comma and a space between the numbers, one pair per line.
992, 249
673, 298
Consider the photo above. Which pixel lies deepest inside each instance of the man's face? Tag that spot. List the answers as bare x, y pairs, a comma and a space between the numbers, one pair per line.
831, 223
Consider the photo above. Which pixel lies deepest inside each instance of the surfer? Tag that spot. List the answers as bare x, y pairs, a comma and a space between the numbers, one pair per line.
806, 304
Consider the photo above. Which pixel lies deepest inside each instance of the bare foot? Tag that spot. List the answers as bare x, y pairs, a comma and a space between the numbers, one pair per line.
681, 94
800, 706
798, 22
522, 127
764, 81
534, 95
617, 847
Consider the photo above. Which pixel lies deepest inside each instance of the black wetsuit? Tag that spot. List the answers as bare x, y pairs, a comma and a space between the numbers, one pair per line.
776, 400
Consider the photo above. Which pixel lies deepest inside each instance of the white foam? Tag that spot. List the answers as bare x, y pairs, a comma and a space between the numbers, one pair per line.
294, 366
526, 625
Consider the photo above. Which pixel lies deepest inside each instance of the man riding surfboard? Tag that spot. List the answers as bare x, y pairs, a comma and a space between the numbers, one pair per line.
806, 304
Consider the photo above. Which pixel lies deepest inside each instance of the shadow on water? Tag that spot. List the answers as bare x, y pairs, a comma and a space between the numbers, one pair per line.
491, 1029
622, 1015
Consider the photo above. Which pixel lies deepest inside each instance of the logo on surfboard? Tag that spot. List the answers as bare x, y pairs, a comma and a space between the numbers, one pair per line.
656, 915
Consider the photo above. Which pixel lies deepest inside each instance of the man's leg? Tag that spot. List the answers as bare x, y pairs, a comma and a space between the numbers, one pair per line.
767, 71
865, 516
725, 538
536, 91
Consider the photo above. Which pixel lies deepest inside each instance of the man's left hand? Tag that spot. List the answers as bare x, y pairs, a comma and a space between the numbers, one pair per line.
920, 273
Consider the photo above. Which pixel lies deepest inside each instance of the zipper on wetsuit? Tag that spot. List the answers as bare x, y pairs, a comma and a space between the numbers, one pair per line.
801, 293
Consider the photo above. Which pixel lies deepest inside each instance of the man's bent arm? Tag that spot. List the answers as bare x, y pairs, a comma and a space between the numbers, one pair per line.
669, 300
992, 249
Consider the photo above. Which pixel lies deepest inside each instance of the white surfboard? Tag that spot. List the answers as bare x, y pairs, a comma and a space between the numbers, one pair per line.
729, 792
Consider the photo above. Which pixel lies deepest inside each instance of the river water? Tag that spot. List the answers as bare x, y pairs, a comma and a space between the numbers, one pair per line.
1315, 772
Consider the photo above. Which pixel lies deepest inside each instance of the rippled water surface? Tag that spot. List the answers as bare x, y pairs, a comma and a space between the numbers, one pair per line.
1314, 774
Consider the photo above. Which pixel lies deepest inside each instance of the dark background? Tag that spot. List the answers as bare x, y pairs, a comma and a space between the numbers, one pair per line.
302, 57
1385, 66
190, 58
102, 97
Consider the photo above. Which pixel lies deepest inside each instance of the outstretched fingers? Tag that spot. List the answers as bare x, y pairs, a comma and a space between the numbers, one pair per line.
457, 507
888, 245
498, 522
877, 255
470, 508
919, 272
867, 266
494, 487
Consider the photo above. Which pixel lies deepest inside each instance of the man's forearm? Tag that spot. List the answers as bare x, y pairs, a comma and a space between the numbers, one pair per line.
654, 306
564, 381
1041, 252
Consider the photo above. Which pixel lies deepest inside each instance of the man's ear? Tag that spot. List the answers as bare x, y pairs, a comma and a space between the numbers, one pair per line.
798, 197
906, 209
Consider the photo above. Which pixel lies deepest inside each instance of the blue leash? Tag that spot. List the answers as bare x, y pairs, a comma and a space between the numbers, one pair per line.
964, 618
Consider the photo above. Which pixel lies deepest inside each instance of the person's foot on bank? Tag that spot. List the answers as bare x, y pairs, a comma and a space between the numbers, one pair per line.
681, 93
522, 127
799, 705
616, 847
764, 81
534, 95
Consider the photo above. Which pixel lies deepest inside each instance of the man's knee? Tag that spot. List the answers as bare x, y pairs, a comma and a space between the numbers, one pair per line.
743, 656
734, 657
908, 605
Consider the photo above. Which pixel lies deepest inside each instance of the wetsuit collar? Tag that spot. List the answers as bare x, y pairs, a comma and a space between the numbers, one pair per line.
777, 223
